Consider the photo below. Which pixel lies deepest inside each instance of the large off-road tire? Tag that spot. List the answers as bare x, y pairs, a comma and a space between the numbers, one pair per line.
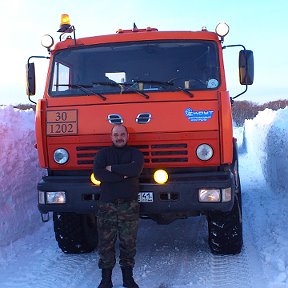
75, 233
225, 230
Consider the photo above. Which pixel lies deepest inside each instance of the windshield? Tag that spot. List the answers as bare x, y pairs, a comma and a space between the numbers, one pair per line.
135, 66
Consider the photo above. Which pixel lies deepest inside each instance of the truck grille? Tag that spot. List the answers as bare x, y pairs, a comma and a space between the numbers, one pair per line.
153, 153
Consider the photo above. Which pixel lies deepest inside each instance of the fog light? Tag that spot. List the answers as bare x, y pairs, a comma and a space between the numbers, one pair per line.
209, 195
56, 197
94, 180
160, 176
226, 194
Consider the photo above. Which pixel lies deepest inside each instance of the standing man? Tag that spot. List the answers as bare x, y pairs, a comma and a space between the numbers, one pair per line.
118, 167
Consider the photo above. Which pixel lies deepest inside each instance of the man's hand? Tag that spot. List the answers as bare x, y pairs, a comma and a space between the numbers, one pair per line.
108, 168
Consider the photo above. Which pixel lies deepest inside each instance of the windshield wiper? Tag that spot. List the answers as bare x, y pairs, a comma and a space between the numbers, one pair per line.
85, 88
164, 84
138, 92
135, 90
114, 84
122, 87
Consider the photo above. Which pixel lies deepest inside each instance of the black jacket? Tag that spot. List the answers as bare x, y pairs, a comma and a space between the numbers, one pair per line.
126, 166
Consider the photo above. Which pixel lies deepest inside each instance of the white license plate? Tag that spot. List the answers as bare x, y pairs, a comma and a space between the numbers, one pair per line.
145, 197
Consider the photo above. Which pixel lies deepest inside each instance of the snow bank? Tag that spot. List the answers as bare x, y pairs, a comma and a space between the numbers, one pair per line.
266, 162
19, 173
276, 165
265, 138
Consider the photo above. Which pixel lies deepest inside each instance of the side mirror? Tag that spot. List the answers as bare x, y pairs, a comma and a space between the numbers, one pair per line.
246, 67
30, 79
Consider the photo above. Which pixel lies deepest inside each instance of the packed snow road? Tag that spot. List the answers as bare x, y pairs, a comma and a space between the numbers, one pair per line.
168, 256
175, 255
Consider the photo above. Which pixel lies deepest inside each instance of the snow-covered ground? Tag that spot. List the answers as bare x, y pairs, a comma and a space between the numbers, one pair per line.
169, 256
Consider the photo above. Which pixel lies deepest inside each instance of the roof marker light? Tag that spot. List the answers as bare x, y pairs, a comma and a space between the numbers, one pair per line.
135, 28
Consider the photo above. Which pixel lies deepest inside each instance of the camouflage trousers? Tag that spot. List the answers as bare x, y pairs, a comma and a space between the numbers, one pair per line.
117, 219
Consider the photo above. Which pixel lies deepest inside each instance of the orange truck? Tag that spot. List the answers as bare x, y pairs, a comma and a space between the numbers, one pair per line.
168, 88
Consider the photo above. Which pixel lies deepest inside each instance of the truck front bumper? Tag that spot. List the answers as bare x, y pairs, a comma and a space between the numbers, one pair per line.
182, 195
179, 196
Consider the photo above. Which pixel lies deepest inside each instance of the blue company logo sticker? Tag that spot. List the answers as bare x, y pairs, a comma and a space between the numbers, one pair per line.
198, 116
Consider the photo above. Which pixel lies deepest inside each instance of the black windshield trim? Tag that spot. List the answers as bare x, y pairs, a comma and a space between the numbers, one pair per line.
144, 92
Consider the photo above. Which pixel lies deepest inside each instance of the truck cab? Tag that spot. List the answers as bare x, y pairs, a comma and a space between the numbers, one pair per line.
169, 89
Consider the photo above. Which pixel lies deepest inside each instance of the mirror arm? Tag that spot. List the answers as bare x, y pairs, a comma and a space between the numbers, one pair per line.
236, 45
29, 97
44, 57
246, 88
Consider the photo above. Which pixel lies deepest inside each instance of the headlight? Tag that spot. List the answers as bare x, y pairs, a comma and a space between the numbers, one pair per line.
56, 197
215, 195
209, 195
160, 176
204, 152
61, 156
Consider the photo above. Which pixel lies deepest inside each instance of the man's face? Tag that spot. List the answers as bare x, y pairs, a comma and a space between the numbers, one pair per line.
119, 136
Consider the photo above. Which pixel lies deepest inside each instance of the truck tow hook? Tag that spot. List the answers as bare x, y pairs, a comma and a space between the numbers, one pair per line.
45, 217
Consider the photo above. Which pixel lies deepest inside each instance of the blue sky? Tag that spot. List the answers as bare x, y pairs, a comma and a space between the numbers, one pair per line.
259, 25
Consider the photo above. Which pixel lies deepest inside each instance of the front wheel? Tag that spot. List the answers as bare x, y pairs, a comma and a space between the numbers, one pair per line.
75, 233
225, 230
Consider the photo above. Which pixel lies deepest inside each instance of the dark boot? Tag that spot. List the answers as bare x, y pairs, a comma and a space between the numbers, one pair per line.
106, 281
128, 281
